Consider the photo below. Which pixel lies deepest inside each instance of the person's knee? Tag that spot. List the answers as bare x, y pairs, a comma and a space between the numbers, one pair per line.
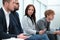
45, 36
36, 37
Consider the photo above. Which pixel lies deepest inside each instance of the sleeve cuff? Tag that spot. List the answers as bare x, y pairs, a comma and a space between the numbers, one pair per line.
37, 32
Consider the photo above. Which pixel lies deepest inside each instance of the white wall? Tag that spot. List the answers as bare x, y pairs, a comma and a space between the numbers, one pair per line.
43, 8
38, 9
53, 2
0, 3
43, 1
21, 9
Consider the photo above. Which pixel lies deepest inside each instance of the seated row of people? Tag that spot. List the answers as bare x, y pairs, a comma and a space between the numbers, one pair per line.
29, 30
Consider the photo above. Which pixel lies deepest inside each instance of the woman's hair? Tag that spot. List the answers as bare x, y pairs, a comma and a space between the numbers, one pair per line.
33, 15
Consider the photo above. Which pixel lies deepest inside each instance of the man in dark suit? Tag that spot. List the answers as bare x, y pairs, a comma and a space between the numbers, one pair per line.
8, 25
15, 18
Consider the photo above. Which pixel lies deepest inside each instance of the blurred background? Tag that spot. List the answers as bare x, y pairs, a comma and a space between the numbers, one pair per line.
41, 6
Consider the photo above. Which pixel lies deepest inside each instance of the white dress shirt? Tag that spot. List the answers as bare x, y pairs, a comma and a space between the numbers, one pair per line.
7, 17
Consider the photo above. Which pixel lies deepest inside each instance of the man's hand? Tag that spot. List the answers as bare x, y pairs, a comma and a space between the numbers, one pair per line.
22, 36
42, 31
57, 32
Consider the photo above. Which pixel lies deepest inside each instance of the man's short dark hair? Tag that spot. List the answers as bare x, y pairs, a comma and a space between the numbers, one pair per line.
5, 1
49, 12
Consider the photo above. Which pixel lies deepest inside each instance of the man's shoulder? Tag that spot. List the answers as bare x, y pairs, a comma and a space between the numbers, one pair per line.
26, 17
15, 13
41, 20
1, 11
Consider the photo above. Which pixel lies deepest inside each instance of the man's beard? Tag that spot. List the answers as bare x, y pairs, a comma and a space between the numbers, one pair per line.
15, 9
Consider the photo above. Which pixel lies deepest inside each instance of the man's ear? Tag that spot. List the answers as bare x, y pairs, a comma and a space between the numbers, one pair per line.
6, 3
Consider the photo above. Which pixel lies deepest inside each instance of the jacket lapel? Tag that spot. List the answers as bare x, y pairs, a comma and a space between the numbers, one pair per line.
4, 19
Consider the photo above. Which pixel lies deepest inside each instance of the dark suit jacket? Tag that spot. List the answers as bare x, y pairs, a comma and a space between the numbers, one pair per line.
13, 26
16, 22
